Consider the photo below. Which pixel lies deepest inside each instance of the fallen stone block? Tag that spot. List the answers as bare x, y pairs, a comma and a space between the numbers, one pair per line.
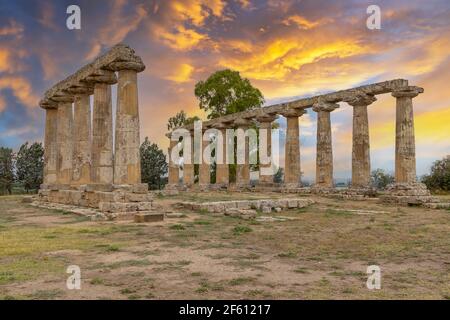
139, 188
148, 217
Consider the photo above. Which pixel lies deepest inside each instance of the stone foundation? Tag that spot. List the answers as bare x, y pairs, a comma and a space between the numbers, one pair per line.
247, 209
106, 198
413, 193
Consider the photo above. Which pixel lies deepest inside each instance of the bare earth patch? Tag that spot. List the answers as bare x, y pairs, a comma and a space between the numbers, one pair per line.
319, 252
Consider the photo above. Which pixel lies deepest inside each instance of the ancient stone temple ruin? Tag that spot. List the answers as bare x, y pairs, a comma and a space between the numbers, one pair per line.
405, 189
82, 167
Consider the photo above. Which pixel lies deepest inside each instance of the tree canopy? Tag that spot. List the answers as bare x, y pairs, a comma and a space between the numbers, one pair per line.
439, 178
179, 120
153, 165
30, 165
226, 92
6, 170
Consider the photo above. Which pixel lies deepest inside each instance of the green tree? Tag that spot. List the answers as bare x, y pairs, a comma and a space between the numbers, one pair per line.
153, 165
6, 170
381, 179
226, 92
30, 166
439, 177
179, 120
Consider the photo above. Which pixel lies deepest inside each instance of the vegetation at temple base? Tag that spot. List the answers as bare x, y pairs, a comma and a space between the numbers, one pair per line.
278, 176
30, 166
439, 178
226, 92
381, 179
153, 165
6, 170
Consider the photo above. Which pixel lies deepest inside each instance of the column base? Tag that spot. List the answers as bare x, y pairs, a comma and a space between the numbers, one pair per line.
268, 186
414, 193
104, 197
219, 186
322, 189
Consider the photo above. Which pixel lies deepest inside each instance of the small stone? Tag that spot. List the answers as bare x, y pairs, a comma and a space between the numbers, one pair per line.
148, 217
266, 209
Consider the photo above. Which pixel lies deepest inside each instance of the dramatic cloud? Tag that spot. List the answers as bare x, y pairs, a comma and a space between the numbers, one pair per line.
288, 49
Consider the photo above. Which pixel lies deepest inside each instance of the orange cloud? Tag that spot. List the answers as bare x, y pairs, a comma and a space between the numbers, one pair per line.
303, 23
21, 89
2, 104
179, 38
182, 73
196, 11
12, 29
277, 59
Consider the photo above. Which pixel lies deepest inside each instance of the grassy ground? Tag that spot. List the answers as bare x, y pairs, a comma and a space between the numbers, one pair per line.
322, 253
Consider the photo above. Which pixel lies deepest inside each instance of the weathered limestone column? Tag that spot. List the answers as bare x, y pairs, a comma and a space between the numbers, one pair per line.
204, 171
324, 155
360, 138
222, 170
243, 169
102, 135
405, 150
82, 135
50, 144
292, 171
266, 128
174, 171
127, 161
188, 168
64, 140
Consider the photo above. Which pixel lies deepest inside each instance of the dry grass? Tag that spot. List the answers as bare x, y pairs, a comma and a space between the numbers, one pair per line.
322, 254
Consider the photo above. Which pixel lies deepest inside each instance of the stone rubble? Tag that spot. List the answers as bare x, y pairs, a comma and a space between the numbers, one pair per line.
247, 209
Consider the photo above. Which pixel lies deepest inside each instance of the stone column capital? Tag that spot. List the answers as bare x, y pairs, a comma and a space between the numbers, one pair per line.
326, 106
220, 126
242, 123
410, 92
63, 98
80, 89
291, 112
360, 99
136, 65
102, 76
267, 118
48, 104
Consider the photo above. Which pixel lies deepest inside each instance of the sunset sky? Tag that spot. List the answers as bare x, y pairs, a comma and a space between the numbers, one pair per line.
286, 48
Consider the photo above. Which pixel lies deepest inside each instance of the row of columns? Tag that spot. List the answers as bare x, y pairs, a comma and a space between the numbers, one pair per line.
405, 167
78, 153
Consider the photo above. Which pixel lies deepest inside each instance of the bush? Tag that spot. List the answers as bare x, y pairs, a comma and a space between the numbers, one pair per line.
439, 178
380, 179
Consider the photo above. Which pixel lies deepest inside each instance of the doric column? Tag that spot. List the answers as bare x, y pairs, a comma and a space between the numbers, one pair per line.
222, 171
292, 171
50, 145
324, 154
127, 162
266, 129
360, 138
405, 150
102, 135
188, 166
242, 169
204, 171
174, 171
82, 147
64, 139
